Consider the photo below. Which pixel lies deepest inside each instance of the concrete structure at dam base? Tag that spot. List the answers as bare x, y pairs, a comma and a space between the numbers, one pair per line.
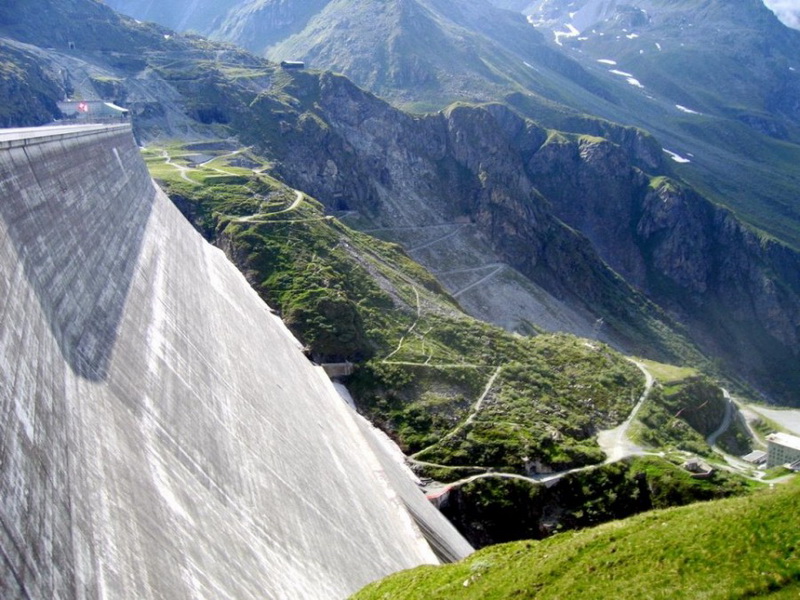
162, 434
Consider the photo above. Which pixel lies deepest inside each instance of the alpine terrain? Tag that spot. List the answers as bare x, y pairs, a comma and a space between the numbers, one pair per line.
674, 70
548, 251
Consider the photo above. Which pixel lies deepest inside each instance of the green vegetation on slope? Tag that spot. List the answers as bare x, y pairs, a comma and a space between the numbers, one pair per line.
297, 259
26, 90
736, 548
668, 374
551, 396
680, 415
496, 510
423, 364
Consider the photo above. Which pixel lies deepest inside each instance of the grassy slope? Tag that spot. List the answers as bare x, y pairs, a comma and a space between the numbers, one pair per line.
685, 407
500, 510
680, 415
546, 405
742, 547
422, 363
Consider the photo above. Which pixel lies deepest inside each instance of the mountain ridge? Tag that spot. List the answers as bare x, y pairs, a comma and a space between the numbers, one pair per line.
485, 196
342, 146
712, 134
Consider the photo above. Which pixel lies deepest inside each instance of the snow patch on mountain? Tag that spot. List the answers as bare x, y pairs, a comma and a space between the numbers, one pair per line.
569, 33
676, 157
628, 77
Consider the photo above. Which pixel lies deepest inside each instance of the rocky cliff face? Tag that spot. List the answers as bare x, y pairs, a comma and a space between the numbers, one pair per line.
257, 24
578, 215
561, 209
734, 289
28, 87
456, 164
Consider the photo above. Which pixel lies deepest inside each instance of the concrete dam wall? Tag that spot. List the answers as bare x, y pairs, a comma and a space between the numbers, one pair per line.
162, 434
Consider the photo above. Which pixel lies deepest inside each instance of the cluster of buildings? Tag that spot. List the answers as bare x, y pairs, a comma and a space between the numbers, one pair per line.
783, 449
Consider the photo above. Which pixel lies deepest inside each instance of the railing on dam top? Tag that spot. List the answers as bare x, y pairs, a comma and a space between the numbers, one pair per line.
27, 136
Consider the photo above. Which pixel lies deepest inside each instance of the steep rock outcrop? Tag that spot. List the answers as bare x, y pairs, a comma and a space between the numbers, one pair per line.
519, 185
28, 89
464, 163
738, 291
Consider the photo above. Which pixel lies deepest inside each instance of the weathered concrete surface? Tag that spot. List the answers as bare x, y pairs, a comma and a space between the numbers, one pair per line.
162, 436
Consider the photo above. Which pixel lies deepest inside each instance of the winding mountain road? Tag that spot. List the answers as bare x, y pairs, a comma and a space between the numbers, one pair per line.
479, 282
437, 240
181, 168
298, 198
470, 418
410, 329
726, 420
615, 442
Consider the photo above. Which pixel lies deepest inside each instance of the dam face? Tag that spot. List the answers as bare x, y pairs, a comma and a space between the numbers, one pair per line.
162, 434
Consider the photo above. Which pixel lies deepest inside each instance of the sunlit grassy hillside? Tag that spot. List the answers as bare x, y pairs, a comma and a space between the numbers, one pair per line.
738, 548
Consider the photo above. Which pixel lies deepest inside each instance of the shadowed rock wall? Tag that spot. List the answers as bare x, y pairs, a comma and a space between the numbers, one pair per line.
162, 434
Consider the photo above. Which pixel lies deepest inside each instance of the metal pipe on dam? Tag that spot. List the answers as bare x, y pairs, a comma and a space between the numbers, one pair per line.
162, 435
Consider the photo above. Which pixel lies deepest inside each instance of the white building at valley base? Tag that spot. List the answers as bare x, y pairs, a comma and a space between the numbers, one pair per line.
782, 449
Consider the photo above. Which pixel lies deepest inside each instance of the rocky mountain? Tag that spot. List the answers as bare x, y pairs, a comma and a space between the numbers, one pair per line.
419, 53
663, 74
727, 59
252, 24
180, 15
638, 259
511, 178
717, 83
587, 229
258, 24
431, 52
29, 90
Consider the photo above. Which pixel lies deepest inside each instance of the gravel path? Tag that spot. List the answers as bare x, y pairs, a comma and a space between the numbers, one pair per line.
615, 442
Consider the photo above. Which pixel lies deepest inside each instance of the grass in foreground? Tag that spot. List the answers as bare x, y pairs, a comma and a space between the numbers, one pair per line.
736, 548
494, 510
